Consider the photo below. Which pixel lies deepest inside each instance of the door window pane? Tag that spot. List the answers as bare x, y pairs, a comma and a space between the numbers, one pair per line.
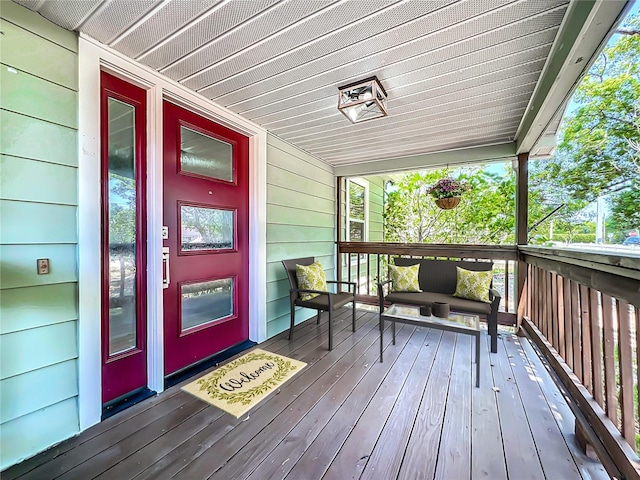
205, 228
205, 156
206, 302
122, 227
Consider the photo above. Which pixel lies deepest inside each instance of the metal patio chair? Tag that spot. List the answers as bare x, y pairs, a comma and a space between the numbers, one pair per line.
324, 302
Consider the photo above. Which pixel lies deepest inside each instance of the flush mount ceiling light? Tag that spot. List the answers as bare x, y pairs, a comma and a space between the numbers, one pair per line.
363, 100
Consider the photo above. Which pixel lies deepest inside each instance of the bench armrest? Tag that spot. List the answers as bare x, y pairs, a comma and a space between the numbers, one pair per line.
341, 282
302, 290
493, 294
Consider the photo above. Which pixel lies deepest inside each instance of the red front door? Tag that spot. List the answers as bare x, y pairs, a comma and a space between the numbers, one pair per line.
207, 241
124, 264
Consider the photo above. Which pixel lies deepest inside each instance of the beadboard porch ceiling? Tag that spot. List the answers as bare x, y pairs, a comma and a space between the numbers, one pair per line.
458, 73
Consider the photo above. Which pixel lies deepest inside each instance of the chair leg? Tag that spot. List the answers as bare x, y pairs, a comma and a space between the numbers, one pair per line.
493, 333
330, 330
353, 316
318, 319
293, 321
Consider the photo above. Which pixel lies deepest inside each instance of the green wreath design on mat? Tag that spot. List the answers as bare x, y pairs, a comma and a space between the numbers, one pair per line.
210, 384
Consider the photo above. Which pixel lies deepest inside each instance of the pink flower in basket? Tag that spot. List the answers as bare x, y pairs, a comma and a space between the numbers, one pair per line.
448, 187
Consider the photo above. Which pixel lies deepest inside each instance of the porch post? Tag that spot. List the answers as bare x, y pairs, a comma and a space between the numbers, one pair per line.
522, 223
338, 229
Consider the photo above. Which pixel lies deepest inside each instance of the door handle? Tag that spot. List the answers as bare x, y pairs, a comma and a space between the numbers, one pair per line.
165, 261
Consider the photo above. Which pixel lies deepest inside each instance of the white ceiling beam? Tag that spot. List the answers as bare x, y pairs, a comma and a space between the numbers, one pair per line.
461, 156
585, 30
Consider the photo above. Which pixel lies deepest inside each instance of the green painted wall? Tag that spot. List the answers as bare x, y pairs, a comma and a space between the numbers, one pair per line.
300, 223
38, 209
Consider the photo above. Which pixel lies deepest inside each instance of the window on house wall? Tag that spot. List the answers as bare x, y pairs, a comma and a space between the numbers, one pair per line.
357, 210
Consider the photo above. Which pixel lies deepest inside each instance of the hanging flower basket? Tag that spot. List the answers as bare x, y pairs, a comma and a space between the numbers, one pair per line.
447, 192
448, 203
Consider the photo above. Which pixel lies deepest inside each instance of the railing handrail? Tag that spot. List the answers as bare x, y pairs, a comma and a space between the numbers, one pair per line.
611, 274
493, 252
613, 262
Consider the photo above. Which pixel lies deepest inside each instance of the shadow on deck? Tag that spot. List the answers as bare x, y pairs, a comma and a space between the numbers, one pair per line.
417, 415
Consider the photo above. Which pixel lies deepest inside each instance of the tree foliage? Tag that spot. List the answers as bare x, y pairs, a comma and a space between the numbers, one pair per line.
484, 216
599, 149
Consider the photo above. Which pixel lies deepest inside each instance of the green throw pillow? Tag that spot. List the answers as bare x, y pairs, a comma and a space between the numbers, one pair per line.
404, 279
473, 285
311, 277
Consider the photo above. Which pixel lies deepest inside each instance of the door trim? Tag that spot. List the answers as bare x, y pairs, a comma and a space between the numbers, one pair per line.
92, 58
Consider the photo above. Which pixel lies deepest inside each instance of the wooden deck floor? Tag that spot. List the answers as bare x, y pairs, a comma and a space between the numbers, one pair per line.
418, 415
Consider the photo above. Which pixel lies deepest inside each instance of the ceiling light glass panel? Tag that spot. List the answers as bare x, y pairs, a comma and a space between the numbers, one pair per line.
363, 100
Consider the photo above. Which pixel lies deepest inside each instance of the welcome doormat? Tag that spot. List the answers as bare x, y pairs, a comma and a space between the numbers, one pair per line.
242, 383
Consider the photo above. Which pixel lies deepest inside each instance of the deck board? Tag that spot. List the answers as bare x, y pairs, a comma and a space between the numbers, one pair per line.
552, 450
356, 451
519, 445
454, 455
485, 422
417, 415
421, 456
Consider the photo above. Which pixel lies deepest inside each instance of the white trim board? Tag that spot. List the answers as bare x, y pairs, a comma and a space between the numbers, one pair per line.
92, 58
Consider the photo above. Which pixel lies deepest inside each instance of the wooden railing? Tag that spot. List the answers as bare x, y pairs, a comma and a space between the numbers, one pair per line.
581, 309
367, 262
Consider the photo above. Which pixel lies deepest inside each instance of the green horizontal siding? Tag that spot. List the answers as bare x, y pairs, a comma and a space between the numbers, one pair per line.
56, 382
32, 307
24, 51
300, 223
275, 270
38, 98
295, 183
40, 223
36, 181
278, 251
299, 218
38, 214
18, 267
282, 196
284, 233
29, 350
28, 137
26, 435
376, 199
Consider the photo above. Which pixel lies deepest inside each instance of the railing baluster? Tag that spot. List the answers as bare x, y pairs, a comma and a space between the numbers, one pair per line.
576, 328
529, 291
610, 387
553, 307
560, 317
626, 373
349, 269
358, 272
586, 338
541, 311
539, 298
368, 274
506, 286
596, 345
547, 304
378, 269
636, 323
568, 324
